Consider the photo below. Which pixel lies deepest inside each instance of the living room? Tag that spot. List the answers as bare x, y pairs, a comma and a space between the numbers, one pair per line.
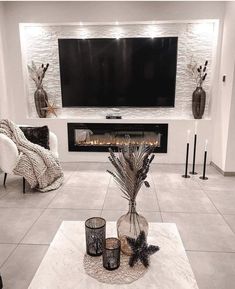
114, 85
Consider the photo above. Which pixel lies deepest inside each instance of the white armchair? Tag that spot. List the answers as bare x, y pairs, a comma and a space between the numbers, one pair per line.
9, 154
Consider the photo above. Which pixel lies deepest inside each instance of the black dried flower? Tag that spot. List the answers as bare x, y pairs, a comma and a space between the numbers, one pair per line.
204, 76
141, 251
131, 168
147, 185
198, 72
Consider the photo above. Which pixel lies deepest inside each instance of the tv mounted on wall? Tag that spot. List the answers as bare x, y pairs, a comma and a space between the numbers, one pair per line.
104, 72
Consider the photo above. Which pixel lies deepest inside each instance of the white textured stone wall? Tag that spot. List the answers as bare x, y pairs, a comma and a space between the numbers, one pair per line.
40, 44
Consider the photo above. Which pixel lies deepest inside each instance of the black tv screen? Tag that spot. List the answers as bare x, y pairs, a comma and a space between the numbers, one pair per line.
104, 72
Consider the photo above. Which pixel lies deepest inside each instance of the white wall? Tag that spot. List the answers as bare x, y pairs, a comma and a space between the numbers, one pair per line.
66, 11
3, 87
33, 12
224, 124
230, 155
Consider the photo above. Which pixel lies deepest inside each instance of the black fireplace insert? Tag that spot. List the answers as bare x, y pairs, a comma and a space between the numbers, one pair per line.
99, 137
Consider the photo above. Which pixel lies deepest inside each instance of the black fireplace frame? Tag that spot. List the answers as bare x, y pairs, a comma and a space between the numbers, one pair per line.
161, 128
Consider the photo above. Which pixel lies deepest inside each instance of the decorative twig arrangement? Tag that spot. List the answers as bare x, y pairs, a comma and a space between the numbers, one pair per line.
198, 72
37, 74
43, 105
132, 166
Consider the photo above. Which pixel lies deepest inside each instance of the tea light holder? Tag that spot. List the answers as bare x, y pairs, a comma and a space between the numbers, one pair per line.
111, 253
95, 235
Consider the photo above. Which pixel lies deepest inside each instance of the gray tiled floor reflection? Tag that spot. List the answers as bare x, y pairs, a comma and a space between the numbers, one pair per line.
203, 211
213, 270
19, 269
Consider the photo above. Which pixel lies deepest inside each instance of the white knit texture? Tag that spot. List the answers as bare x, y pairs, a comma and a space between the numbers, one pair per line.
36, 164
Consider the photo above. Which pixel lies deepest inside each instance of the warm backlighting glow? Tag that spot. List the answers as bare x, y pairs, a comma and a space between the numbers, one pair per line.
118, 32
151, 30
84, 33
202, 28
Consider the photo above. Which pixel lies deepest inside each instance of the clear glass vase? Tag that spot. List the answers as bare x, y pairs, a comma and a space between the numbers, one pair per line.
130, 225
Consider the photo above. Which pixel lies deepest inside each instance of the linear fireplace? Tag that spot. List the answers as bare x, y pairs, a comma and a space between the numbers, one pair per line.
100, 136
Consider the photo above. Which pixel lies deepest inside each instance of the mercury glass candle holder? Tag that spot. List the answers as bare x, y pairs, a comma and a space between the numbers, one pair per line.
111, 253
95, 236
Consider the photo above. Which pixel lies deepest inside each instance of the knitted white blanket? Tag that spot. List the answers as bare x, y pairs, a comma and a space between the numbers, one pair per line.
36, 164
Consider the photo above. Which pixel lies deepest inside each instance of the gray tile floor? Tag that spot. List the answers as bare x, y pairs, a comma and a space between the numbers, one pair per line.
204, 212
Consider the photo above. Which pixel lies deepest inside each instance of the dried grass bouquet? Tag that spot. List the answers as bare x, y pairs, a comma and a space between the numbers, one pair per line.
198, 72
131, 168
37, 73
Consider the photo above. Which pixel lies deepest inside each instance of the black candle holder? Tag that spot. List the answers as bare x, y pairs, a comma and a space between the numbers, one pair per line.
186, 163
203, 177
194, 155
1, 284
95, 236
111, 253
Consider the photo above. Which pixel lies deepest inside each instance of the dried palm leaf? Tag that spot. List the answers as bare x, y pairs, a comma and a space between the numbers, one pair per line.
131, 168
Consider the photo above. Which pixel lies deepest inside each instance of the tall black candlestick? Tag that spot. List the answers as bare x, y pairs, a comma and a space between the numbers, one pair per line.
194, 155
186, 163
1, 284
203, 177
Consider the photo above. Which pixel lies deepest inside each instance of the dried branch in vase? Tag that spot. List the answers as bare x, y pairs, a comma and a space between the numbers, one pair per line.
198, 72
37, 74
132, 166
40, 95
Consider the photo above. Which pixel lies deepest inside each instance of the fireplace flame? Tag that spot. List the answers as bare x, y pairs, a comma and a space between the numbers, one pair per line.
152, 139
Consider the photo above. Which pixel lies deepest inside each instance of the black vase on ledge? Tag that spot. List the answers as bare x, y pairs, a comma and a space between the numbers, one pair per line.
198, 102
41, 99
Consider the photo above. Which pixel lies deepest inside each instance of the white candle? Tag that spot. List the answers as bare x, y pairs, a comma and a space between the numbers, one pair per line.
196, 124
188, 135
206, 143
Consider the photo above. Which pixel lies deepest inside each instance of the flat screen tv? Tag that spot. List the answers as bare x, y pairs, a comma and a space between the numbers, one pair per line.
104, 72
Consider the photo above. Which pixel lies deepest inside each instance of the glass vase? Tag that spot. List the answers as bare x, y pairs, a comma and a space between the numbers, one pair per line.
130, 225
